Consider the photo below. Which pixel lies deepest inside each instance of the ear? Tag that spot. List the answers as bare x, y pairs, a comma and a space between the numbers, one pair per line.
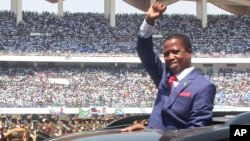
190, 55
190, 51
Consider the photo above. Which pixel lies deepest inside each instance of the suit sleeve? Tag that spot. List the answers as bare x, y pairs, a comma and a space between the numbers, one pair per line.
149, 59
201, 113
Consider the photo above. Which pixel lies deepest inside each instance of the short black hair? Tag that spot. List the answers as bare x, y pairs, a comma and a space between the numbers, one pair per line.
185, 40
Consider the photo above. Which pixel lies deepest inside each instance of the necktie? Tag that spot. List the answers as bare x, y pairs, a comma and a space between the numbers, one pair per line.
171, 80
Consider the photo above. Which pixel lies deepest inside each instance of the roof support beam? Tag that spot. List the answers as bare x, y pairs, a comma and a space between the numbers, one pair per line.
241, 2
201, 12
60, 7
16, 7
109, 11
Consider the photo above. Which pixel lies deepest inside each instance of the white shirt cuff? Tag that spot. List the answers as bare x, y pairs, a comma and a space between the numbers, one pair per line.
146, 30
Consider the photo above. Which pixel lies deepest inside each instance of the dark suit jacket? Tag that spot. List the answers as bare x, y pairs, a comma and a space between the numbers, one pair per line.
190, 104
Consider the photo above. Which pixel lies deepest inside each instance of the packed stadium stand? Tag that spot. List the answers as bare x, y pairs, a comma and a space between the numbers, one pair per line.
76, 33
30, 84
41, 87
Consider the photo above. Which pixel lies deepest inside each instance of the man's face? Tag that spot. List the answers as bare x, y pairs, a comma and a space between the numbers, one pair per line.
176, 57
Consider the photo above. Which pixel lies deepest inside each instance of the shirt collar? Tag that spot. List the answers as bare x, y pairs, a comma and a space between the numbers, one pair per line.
184, 73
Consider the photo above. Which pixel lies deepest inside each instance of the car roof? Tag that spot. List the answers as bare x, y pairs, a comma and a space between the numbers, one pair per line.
213, 132
111, 135
144, 135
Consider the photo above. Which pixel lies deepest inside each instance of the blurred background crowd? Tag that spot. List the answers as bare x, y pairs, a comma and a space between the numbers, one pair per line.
89, 34
79, 34
51, 125
105, 86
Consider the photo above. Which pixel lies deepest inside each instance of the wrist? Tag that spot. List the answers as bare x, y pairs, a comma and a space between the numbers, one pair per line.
150, 21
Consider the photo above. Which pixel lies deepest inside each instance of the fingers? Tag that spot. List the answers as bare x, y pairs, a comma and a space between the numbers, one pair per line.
157, 6
133, 128
154, 12
127, 129
162, 8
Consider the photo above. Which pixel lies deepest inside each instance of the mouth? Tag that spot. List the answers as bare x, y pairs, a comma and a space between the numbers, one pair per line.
173, 65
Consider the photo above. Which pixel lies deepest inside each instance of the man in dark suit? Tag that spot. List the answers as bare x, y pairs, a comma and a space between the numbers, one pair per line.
189, 101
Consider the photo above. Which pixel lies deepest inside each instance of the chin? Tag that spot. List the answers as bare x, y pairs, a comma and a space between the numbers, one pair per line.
174, 70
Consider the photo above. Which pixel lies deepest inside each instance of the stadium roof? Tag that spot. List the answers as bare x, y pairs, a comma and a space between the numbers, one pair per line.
52, 1
239, 7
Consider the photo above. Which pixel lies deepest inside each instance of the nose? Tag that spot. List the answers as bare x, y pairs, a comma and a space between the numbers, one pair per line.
171, 56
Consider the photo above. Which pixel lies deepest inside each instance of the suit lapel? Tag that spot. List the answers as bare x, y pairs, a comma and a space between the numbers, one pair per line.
181, 86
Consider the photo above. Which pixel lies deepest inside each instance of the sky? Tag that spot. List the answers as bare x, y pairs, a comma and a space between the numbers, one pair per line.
181, 7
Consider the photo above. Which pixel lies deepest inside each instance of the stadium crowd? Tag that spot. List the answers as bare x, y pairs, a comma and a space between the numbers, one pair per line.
29, 127
90, 34
104, 86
